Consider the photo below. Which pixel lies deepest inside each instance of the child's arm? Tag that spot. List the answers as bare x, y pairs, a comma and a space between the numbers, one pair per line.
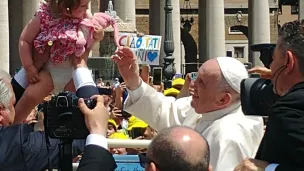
27, 37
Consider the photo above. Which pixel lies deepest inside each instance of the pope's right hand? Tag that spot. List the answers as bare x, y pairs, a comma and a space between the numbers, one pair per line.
128, 67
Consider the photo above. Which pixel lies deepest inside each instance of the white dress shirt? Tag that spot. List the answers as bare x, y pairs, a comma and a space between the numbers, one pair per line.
231, 135
97, 139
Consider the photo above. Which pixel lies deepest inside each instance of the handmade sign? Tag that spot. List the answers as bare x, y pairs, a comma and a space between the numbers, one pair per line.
146, 48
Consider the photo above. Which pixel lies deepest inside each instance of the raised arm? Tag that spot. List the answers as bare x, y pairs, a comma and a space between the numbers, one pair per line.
143, 100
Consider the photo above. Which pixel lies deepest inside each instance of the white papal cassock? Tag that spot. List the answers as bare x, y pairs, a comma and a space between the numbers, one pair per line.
231, 135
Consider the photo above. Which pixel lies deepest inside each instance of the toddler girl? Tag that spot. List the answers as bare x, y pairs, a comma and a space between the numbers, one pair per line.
47, 46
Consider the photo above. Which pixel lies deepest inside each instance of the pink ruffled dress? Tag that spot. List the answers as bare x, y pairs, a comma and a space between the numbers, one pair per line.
61, 30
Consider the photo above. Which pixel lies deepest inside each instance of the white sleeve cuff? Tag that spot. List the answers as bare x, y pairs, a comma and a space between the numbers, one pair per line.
20, 77
271, 167
96, 139
82, 77
135, 95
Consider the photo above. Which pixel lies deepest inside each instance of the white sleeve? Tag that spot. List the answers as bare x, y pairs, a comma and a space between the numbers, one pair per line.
136, 94
154, 108
96, 139
271, 167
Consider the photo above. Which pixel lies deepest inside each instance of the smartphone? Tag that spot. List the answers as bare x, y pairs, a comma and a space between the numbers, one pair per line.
105, 91
137, 132
193, 76
125, 114
157, 75
121, 80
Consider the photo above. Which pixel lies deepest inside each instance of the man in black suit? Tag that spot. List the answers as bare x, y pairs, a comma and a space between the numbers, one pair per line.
282, 147
24, 149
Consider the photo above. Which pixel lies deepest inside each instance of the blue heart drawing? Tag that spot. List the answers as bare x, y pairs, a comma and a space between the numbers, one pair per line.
152, 56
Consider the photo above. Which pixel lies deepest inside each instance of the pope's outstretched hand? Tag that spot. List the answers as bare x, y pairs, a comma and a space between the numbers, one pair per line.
128, 67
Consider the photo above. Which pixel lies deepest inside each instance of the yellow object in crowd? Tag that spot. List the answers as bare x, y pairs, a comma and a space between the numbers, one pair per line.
178, 82
171, 92
134, 122
112, 122
118, 135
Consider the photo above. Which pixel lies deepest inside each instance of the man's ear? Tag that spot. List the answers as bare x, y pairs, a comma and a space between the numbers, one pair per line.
151, 167
210, 168
290, 63
224, 100
2, 108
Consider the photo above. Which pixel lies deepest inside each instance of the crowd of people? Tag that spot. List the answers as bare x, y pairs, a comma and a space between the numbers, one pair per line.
198, 124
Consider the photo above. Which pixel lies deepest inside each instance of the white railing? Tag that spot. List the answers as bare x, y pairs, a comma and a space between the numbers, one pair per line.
112, 143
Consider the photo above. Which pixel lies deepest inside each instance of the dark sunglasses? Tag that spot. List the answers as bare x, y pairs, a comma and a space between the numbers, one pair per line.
144, 160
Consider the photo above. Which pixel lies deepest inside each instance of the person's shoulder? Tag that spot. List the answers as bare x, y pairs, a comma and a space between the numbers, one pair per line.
19, 133
292, 99
289, 105
17, 128
236, 125
227, 135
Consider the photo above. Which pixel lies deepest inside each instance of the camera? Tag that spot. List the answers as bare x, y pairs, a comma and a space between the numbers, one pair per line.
63, 118
257, 94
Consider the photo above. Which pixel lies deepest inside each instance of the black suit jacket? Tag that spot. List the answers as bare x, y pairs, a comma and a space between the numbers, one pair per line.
96, 158
23, 149
283, 142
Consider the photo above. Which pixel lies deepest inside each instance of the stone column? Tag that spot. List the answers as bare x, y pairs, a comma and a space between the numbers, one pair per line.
4, 36
211, 29
15, 27
301, 9
126, 10
157, 27
259, 27
19, 16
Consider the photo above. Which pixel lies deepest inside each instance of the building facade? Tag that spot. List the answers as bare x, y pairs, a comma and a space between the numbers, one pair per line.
236, 25
204, 40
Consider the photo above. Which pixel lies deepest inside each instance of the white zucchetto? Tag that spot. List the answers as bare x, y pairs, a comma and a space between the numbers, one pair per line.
233, 70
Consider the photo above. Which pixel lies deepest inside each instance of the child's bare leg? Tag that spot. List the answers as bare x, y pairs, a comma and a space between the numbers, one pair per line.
70, 87
40, 59
82, 77
20, 82
33, 95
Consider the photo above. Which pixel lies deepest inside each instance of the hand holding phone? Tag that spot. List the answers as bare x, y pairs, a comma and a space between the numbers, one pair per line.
137, 132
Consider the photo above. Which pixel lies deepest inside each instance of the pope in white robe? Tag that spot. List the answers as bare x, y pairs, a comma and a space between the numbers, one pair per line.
231, 135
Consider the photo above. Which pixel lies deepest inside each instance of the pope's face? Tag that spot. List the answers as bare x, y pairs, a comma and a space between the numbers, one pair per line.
205, 88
